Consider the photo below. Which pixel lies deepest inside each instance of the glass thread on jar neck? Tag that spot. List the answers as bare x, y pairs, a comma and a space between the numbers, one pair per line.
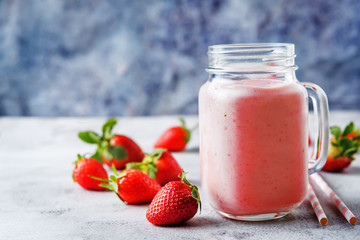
252, 58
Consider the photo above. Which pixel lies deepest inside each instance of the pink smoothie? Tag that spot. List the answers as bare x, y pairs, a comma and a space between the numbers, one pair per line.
253, 145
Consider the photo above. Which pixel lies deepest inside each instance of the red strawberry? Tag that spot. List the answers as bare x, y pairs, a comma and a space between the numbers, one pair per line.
176, 202
174, 139
342, 148
133, 186
113, 149
159, 165
134, 152
85, 167
337, 164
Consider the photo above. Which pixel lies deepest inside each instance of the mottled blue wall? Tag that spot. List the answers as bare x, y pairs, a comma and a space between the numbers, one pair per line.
96, 57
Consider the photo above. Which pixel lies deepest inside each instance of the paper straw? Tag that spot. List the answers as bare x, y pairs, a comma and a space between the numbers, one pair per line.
345, 211
316, 206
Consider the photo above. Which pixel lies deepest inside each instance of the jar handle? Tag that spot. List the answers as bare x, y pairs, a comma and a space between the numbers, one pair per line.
321, 110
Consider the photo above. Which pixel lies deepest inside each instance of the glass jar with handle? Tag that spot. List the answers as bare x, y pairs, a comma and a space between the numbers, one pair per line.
253, 121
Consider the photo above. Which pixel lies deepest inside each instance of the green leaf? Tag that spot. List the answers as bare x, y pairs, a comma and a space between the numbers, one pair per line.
133, 165
114, 170
336, 131
356, 137
97, 156
116, 189
183, 123
346, 143
107, 154
152, 169
113, 178
118, 152
89, 137
107, 186
188, 135
107, 128
351, 151
349, 129
100, 179
188, 132
195, 194
157, 153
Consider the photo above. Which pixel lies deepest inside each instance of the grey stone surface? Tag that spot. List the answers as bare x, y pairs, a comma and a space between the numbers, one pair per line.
126, 57
38, 199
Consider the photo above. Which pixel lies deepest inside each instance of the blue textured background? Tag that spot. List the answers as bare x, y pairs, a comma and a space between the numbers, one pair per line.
92, 57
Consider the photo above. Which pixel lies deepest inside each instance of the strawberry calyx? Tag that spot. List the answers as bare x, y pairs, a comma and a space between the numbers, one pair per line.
194, 189
347, 142
79, 158
112, 182
187, 130
103, 142
148, 165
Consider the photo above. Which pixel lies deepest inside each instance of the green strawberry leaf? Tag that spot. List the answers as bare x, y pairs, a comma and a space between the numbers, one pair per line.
118, 152
107, 186
188, 132
89, 137
100, 179
157, 153
336, 131
349, 129
113, 178
183, 123
79, 157
107, 128
97, 156
188, 135
152, 169
346, 143
351, 151
107, 154
133, 165
356, 137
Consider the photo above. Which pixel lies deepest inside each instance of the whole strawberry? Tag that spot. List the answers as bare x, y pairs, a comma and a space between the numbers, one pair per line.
174, 139
342, 148
176, 202
113, 149
159, 165
85, 167
132, 186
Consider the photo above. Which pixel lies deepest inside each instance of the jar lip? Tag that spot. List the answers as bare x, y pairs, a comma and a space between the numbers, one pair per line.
287, 49
252, 57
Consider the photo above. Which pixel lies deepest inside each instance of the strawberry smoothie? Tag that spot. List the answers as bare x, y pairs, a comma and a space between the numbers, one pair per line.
253, 145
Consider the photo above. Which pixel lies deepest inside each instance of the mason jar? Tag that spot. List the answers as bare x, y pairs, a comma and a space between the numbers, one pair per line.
253, 121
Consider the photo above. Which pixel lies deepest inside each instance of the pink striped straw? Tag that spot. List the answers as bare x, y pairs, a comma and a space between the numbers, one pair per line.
316, 206
345, 211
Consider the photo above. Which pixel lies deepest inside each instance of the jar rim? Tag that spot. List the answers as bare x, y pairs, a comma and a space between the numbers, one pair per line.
233, 48
259, 57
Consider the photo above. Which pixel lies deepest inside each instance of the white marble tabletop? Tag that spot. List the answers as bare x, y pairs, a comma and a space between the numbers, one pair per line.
38, 199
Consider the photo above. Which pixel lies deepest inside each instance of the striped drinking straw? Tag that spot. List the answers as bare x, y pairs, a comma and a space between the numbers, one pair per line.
316, 206
345, 211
